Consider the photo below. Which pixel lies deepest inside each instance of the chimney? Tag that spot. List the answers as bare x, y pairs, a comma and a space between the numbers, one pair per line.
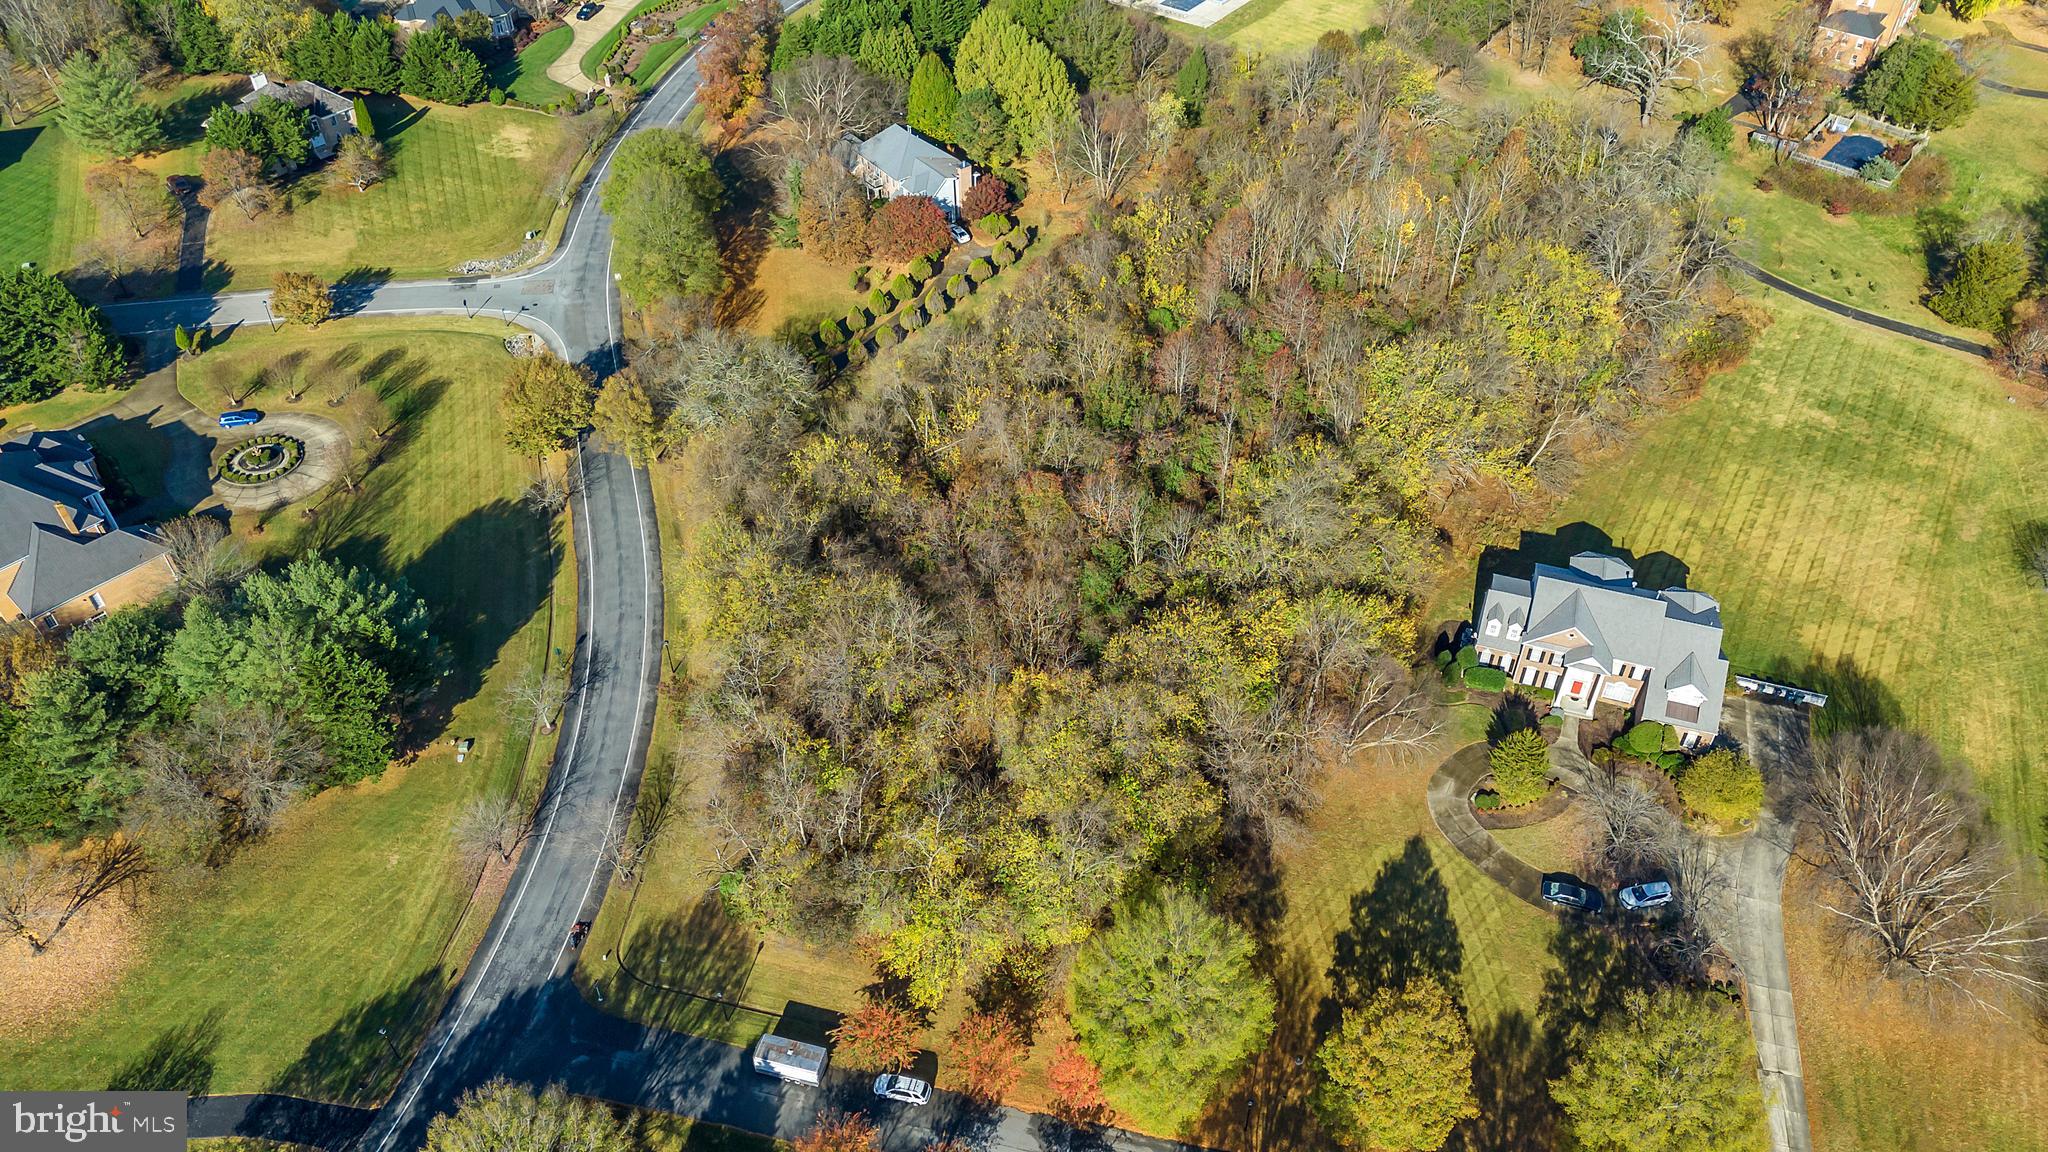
64, 515
258, 81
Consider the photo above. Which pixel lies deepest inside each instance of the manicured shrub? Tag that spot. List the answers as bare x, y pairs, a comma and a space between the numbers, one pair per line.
921, 269
497, 95
829, 332
878, 302
1723, 787
1879, 170
1671, 764
901, 289
1645, 741
1003, 256
1552, 720
1446, 658
1536, 692
956, 285
1486, 801
979, 269
913, 319
857, 318
1521, 767
886, 335
939, 303
1485, 679
1468, 657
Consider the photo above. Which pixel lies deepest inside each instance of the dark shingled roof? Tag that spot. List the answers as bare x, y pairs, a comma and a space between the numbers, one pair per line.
430, 9
1869, 25
39, 472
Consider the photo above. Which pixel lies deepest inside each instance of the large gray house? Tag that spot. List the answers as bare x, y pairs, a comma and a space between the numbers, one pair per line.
424, 13
898, 162
329, 115
64, 560
1589, 634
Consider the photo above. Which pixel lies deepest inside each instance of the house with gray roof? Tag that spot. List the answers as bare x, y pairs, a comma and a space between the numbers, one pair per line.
64, 560
898, 162
424, 13
329, 115
1588, 633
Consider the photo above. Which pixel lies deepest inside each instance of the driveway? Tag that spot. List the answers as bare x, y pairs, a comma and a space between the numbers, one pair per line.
568, 67
327, 453
155, 404
1773, 736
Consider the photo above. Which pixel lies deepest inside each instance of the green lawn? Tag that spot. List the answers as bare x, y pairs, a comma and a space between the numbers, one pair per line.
655, 61
592, 63
278, 971
524, 76
66, 408
1286, 25
47, 217
1998, 159
1856, 502
465, 184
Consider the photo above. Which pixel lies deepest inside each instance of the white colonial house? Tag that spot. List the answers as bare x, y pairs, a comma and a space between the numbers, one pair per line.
1589, 634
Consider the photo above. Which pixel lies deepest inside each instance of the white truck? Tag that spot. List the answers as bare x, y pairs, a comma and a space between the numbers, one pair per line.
791, 1060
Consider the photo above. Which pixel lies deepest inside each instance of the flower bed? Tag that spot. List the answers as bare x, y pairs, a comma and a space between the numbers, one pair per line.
261, 459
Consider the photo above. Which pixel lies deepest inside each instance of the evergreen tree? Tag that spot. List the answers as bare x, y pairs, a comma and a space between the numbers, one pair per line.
65, 775
1980, 290
999, 55
1397, 1072
1917, 82
197, 42
939, 24
1669, 1072
982, 130
321, 53
373, 59
933, 98
889, 52
103, 109
50, 339
436, 67
1191, 83
272, 130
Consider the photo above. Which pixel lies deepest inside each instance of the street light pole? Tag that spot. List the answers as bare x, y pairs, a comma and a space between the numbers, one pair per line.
271, 316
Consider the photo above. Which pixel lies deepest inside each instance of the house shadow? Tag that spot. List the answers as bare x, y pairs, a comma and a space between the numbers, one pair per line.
1401, 928
1654, 570
180, 1059
156, 469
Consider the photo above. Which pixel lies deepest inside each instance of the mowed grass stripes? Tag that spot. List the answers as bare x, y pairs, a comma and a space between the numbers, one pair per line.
465, 184
1856, 502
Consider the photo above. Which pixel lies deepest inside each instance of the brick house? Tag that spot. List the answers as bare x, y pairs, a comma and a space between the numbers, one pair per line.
1588, 633
64, 560
1850, 32
898, 162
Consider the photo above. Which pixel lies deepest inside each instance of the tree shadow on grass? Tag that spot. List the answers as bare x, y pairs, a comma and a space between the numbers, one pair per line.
1269, 1106
687, 970
358, 1059
1401, 928
1514, 713
180, 1059
1856, 698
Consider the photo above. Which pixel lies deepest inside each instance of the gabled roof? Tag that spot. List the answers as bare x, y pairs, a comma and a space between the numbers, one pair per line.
1869, 25
303, 93
919, 165
41, 472
428, 10
1676, 633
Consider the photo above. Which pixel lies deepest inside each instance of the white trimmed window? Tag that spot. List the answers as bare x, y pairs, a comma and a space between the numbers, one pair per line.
1493, 627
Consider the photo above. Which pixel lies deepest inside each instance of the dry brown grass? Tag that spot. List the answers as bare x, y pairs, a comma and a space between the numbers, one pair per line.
94, 950
1892, 1070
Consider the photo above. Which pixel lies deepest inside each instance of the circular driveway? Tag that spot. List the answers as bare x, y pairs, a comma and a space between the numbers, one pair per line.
327, 453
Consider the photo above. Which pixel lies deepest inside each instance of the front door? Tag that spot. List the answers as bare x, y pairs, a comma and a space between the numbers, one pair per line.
1577, 690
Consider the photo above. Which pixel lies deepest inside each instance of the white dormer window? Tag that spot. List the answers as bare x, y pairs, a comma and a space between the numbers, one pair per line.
1493, 627
1514, 631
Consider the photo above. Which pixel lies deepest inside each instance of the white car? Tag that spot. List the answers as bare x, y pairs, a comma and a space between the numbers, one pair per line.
1654, 894
960, 235
905, 1089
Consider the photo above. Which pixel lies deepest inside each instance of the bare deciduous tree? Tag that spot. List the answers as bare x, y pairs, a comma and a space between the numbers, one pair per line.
43, 889
222, 777
536, 697
825, 97
546, 494
488, 828
1645, 56
1628, 816
204, 563
1105, 143
1783, 79
1914, 871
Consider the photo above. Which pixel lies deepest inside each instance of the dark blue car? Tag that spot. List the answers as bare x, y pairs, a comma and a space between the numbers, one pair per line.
240, 419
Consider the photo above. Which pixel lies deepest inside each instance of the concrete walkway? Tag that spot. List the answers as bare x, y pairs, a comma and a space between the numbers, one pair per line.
567, 68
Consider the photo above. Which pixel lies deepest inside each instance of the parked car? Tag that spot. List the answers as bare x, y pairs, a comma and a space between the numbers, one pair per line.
1571, 894
588, 10
960, 235
240, 418
1654, 894
907, 1089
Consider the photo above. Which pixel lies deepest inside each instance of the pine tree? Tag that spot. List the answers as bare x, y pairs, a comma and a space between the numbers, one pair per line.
933, 98
1987, 279
373, 63
1027, 78
103, 109
438, 68
889, 52
1191, 83
940, 24
197, 43
321, 53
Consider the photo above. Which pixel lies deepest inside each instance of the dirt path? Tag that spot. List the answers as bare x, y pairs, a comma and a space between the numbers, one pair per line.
568, 67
